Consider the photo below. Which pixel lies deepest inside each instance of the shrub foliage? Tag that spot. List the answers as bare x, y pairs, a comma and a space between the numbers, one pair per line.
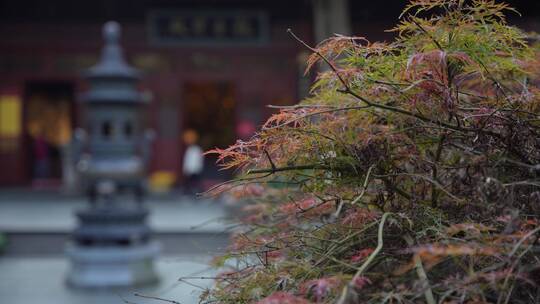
411, 175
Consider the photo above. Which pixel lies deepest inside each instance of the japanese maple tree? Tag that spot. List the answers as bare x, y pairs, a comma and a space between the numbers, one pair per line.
411, 175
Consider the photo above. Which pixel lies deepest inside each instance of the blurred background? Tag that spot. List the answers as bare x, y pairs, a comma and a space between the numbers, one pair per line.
210, 66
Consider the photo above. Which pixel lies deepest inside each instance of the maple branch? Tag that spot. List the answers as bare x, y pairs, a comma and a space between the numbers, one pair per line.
364, 187
289, 168
314, 50
299, 106
350, 287
270, 160
421, 272
316, 113
427, 33
155, 298
349, 91
242, 181
377, 249
434, 171
396, 189
417, 116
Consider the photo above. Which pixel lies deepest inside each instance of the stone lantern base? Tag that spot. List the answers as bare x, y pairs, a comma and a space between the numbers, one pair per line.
112, 248
112, 267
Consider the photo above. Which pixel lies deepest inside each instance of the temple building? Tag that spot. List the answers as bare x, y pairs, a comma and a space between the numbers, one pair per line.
209, 65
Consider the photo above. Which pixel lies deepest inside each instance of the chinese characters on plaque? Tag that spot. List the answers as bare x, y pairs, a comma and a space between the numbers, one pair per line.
208, 27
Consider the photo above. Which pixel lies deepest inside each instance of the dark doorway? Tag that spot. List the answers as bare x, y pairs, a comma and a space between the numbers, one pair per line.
48, 124
209, 110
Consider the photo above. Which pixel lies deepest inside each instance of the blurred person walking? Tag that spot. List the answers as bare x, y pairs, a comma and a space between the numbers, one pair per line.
193, 163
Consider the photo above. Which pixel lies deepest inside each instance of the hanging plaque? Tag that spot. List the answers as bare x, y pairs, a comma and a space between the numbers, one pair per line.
207, 27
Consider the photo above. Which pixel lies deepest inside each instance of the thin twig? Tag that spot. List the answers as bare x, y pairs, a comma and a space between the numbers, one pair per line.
289, 168
300, 106
314, 50
377, 249
331, 110
156, 298
525, 237
272, 165
191, 284
364, 187
430, 299
358, 274
427, 33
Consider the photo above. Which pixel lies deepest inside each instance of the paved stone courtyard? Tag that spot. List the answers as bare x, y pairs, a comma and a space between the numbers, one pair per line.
35, 273
41, 280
